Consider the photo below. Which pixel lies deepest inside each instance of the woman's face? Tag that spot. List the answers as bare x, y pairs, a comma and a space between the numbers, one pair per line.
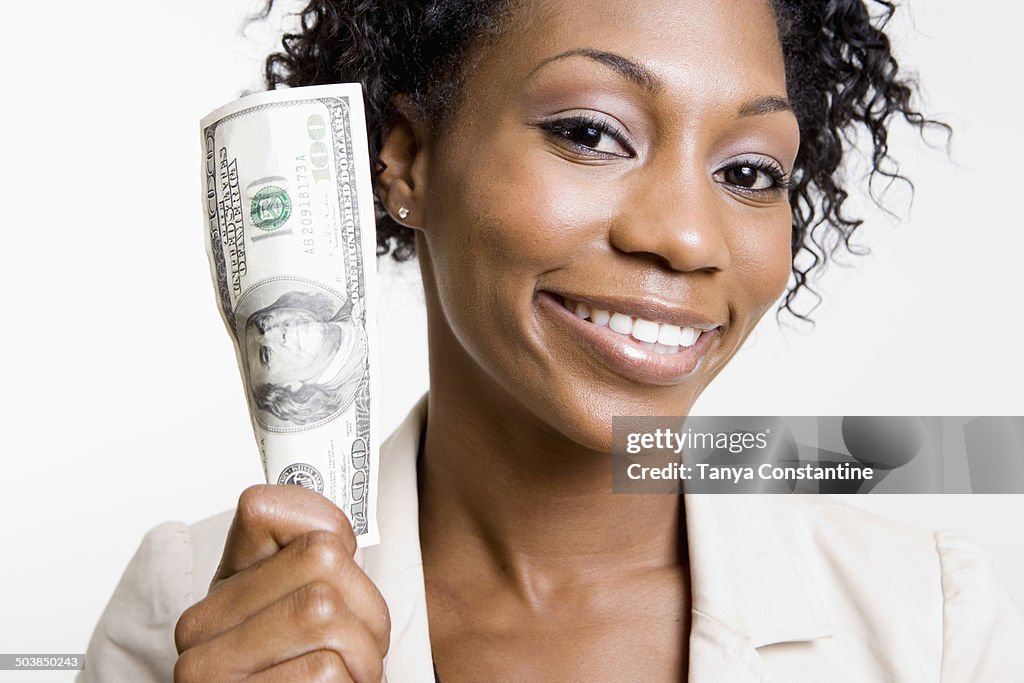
627, 157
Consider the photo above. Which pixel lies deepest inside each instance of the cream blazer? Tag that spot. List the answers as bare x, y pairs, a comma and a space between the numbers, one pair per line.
785, 588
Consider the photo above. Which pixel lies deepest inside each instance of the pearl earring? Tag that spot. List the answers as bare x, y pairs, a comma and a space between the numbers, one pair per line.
403, 213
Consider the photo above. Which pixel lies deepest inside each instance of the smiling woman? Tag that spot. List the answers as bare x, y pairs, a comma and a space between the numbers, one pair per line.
604, 199
622, 178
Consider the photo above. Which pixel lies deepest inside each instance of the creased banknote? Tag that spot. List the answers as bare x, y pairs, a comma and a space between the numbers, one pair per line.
290, 236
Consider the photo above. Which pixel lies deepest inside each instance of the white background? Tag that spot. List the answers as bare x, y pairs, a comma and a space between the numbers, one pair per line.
121, 404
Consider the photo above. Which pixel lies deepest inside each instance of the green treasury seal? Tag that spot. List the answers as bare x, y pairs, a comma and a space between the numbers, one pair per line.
271, 208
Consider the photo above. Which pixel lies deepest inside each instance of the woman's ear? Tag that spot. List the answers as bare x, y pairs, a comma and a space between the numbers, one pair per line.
401, 185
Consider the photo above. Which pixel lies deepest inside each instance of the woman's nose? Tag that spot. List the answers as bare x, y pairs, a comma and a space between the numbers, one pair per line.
679, 222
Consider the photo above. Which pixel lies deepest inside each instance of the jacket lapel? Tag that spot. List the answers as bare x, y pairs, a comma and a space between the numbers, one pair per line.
396, 565
751, 584
718, 653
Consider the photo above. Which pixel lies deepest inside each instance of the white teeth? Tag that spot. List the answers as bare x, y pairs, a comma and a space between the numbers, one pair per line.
645, 330
620, 323
689, 337
669, 334
660, 338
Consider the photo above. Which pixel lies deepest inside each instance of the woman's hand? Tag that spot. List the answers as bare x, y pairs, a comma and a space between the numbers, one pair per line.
288, 602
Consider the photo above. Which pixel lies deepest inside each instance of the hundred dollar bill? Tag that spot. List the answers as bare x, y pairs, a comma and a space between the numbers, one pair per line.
290, 236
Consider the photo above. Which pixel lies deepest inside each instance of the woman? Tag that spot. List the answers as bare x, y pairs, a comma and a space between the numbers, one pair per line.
605, 199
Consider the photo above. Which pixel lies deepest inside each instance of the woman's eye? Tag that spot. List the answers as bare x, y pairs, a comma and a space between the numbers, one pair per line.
588, 135
754, 177
749, 177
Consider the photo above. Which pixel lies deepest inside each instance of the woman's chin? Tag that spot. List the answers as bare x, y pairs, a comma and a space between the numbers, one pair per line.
590, 425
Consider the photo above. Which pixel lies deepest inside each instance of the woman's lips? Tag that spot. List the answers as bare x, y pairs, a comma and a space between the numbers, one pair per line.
644, 362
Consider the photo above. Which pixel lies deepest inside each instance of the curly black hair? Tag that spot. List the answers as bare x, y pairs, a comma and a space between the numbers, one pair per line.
841, 74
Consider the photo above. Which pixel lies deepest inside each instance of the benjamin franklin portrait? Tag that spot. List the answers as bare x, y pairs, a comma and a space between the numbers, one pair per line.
304, 356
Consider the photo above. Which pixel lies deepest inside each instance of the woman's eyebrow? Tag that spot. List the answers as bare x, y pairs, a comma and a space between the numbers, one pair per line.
764, 105
642, 76
637, 73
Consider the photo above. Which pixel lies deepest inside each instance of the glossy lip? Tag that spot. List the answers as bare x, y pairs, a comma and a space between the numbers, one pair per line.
624, 355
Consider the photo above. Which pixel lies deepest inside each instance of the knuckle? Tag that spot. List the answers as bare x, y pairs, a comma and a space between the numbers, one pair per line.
325, 666
384, 625
186, 628
187, 668
375, 670
253, 504
323, 550
319, 605
347, 535
369, 664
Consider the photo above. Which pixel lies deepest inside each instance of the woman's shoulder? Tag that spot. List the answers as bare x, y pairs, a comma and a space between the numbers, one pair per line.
206, 541
173, 547
932, 587
170, 571
836, 526
915, 603
841, 535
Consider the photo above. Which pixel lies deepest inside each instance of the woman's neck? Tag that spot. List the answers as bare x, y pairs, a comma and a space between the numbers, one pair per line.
509, 496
